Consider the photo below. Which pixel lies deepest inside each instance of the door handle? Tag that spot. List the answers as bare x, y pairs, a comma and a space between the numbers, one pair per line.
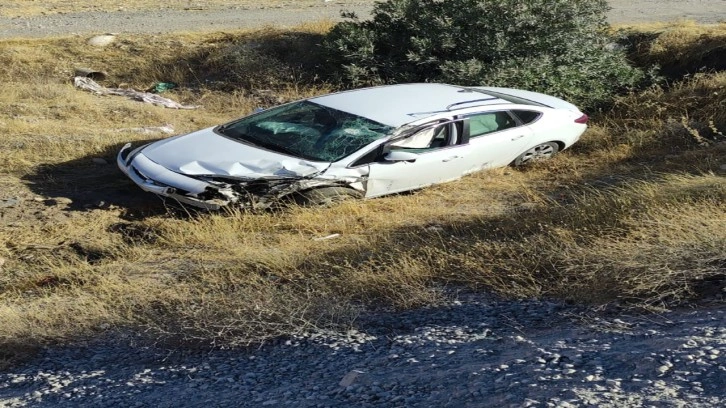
517, 137
448, 159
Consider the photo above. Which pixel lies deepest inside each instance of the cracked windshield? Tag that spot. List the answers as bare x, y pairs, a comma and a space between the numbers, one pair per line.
308, 130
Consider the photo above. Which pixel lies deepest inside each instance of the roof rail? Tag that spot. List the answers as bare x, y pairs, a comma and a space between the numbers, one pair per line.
448, 108
471, 101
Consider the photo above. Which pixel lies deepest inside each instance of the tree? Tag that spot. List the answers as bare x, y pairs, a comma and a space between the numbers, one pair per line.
559, 47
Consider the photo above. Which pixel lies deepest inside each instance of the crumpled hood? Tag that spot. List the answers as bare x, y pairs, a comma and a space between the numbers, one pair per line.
207, 153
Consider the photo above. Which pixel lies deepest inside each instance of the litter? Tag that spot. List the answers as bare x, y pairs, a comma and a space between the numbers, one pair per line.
90, 85
331, 236
162, 87
148, 130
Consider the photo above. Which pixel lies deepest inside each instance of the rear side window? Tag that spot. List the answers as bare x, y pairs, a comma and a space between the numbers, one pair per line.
527, 116
490, 122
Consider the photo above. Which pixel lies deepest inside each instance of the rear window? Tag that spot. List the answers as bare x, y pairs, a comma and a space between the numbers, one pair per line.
510, 98
526, 116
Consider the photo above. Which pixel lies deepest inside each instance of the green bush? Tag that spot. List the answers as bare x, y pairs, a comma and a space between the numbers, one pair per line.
559, 47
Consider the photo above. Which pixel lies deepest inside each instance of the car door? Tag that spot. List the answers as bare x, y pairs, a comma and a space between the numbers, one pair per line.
435, 155
496, 138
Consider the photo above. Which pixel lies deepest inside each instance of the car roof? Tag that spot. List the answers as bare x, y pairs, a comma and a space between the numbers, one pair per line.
397, 105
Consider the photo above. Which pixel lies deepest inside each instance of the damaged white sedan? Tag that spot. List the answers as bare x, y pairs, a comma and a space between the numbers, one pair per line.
361, 143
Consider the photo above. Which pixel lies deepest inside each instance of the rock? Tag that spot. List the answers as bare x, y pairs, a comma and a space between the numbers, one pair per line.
612, 382
9, 202
101, 40
663, 369
349, 378
58, 201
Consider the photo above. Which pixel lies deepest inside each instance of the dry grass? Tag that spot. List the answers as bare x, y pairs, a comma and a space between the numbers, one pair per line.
633, 215
678, 48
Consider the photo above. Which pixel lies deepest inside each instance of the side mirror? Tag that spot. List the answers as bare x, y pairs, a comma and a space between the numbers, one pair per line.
400, 155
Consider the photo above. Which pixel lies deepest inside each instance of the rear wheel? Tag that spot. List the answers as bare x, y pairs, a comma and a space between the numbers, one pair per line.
326, 196
539, 152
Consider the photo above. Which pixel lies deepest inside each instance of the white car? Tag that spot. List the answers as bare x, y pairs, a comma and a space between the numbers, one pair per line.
362, 143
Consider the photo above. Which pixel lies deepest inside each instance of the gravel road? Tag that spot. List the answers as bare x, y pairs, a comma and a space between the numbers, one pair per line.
476, 351
236, 17
473, 352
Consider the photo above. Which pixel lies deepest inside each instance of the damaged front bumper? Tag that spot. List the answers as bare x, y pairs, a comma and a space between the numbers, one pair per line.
213, 192
159, 180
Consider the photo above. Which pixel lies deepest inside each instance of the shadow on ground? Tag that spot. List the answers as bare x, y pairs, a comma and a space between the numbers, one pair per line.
94, 182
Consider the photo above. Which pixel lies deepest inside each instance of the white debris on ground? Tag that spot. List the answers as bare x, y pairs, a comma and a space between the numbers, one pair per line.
167, 128
473, 352
90, 85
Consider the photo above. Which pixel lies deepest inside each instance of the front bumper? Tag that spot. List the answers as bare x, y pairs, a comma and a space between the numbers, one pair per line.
159, 180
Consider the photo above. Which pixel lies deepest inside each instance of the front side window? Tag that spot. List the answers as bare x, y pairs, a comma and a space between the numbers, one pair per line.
489, 122
307, 130
430, 138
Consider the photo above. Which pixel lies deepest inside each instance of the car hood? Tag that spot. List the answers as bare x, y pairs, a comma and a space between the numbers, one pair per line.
206, 153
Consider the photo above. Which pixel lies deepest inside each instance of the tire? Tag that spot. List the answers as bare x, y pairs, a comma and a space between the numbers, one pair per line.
326, 196
537, 153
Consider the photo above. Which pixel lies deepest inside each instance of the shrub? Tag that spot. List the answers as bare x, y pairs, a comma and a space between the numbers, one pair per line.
559, 47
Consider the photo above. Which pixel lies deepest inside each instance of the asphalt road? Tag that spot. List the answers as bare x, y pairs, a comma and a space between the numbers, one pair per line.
235, 17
